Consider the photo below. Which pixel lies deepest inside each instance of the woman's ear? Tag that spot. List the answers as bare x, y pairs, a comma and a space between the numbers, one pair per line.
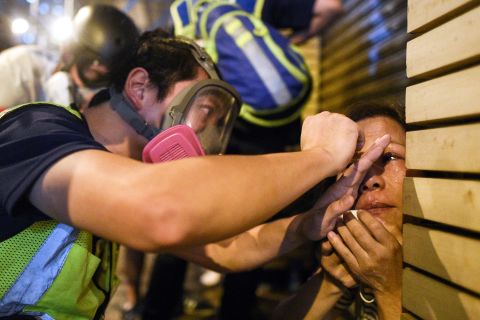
135, 86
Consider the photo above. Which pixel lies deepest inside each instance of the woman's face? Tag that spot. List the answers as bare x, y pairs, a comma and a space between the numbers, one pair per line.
381, 191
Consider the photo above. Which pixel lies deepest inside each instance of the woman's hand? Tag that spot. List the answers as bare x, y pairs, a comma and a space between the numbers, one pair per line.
374, 256
336, 270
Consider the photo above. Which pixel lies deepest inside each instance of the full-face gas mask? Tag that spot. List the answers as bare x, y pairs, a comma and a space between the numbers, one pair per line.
198, 121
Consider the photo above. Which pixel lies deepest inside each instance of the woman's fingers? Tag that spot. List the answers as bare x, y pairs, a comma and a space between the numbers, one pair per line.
373, 153
375, 227
337, 269
327, 248
350, 240
325, 221
342, 250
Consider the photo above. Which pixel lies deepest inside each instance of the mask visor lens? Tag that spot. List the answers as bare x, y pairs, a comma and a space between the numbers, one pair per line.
211, 113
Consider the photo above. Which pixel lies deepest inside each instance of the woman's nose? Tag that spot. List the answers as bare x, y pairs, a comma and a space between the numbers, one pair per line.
373, 182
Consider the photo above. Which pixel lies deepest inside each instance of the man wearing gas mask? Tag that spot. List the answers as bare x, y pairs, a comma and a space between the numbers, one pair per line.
102, 36
72, 185
271, 75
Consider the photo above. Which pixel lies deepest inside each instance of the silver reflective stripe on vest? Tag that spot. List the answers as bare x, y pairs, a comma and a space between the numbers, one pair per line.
41, 271
260, 62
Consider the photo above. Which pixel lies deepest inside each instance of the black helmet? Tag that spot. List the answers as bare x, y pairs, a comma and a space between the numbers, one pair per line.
104, 34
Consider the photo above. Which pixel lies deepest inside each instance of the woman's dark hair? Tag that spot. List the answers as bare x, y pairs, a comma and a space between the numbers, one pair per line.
166, 59
364, 110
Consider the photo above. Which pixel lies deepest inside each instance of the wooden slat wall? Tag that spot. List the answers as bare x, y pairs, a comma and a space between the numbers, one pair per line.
448, 255
449, 45
453, 148
434, 199
363, 54
420, 19
438, 92
442, 191
431, 299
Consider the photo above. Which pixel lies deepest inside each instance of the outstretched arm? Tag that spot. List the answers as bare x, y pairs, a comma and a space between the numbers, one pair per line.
250, 249
259, 245
192, 201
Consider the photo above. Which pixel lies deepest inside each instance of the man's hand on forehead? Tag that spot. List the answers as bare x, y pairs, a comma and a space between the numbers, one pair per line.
350, 179
342, 195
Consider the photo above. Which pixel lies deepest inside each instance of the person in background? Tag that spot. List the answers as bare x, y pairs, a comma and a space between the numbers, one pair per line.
305, 18
361, 262
72, 185
103, 35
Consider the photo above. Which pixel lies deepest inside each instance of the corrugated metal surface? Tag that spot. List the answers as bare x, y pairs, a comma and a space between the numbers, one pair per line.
363, 54
311, 53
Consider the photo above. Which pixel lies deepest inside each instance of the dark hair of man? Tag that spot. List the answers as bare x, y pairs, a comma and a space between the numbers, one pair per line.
364, 110
166, 59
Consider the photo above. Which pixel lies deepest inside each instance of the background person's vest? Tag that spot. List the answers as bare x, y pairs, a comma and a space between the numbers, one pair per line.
268, 72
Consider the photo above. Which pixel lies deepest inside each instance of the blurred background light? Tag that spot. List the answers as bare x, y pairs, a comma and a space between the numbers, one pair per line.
28, 38
57, 10
20, 26
61, 29
44, 8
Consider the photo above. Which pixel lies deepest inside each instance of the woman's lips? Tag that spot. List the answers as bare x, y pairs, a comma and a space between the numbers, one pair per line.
376, 208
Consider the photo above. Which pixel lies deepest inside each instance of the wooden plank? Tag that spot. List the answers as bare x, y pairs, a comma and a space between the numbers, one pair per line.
446, 47
430, 299
425, 14
407, 316
454, 148
447, 255
451, 96
448, 201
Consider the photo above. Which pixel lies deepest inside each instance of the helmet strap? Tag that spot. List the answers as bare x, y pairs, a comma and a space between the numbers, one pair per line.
128, 113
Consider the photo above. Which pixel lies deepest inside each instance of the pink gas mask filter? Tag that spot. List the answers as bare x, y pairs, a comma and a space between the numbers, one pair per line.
174, 143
